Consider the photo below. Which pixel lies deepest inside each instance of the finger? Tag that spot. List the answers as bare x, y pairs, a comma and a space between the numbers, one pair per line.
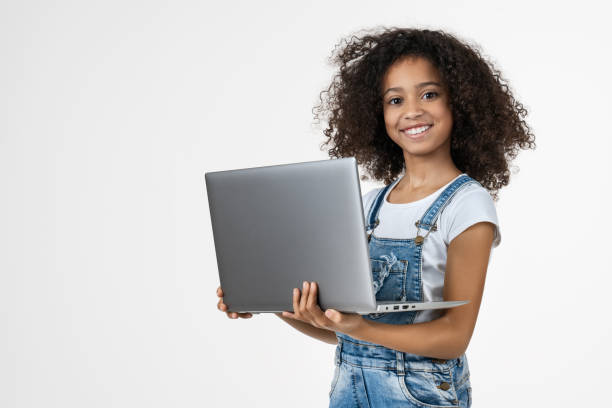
236, 315
220, 303
289, 315
333, 315
312, 302
313, 307
296, 300
306, 315
304, 299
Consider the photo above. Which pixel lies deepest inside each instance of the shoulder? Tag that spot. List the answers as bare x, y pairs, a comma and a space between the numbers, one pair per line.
472, 204
369, 197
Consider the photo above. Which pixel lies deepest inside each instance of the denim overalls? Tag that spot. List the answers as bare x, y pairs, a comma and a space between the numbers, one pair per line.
370, 375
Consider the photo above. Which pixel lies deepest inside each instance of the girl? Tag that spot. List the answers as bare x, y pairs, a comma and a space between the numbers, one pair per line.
429, 116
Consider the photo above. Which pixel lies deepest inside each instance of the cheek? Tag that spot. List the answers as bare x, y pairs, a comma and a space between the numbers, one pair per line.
391, 132
390, 122
446, 114
445, 117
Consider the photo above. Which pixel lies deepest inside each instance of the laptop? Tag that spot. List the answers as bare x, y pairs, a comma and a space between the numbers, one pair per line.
275, 227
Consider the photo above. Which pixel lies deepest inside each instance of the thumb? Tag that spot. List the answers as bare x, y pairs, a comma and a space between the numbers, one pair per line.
333, 315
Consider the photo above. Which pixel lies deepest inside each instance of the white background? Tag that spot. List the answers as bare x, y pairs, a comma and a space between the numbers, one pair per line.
111, 112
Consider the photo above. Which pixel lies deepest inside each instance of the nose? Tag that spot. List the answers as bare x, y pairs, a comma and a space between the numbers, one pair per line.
412, 109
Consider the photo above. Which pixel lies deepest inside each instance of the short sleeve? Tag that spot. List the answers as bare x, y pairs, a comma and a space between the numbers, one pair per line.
367, 199
470, 206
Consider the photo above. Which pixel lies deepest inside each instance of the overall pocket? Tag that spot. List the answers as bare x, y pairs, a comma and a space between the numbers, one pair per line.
429, 388
389, 280
334, 380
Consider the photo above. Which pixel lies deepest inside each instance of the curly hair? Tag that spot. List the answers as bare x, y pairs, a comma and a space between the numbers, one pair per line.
488, 123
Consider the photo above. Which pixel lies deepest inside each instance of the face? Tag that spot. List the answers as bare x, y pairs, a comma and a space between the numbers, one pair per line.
415, 107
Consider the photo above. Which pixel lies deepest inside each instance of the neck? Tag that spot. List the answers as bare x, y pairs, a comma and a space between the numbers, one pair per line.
427, 171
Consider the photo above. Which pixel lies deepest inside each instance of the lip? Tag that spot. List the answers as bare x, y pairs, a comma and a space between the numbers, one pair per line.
416, 126
417, 136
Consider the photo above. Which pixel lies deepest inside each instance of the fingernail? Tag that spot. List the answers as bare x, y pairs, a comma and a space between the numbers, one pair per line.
304, 285
328, 313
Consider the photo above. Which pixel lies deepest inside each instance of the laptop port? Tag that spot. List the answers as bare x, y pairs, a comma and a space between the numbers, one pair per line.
396, 307
405, 307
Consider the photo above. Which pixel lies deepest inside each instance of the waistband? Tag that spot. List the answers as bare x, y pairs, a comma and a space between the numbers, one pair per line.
382, 358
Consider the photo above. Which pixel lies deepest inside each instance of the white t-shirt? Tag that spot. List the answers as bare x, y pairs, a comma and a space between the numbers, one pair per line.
470, 205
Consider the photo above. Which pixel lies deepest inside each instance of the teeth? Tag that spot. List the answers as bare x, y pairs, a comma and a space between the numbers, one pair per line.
415, 131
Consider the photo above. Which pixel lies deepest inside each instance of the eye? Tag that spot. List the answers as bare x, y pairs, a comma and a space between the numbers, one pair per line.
394, 99
430, 95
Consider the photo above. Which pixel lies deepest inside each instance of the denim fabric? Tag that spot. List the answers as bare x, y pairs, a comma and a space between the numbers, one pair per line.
375, 376
370, 375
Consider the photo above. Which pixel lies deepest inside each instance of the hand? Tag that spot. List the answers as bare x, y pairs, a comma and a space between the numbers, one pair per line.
223, 307
306, 309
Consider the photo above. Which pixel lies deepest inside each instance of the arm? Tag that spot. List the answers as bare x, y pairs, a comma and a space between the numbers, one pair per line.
448, 336
327, 336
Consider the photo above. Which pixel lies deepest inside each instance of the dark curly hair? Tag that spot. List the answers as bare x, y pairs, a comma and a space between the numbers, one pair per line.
488, 123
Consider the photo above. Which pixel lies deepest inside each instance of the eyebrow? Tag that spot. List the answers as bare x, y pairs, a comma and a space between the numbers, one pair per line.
419, 86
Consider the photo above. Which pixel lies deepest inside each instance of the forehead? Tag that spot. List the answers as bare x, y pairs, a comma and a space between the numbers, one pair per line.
410, 70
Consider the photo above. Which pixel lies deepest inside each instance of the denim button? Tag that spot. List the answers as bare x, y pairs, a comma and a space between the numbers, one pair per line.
444, 386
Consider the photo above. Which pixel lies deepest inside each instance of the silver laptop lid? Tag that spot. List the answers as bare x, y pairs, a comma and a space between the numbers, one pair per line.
277, 226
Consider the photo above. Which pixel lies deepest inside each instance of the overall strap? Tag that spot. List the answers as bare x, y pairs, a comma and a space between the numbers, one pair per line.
375, 208
428, 221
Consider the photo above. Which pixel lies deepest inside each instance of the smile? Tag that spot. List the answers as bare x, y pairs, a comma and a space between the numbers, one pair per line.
415, 131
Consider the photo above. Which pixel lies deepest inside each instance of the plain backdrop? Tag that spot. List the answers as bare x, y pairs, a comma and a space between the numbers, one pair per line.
110, 114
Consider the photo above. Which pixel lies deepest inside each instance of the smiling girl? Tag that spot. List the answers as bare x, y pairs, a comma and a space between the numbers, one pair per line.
426, 114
